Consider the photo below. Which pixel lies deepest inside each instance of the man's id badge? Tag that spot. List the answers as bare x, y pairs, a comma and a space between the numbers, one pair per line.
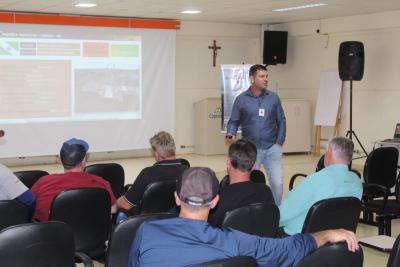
261, 112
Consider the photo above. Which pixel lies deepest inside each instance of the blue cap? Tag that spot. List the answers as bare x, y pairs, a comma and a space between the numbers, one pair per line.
73, 152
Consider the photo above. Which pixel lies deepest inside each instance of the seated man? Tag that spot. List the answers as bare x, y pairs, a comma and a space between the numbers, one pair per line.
73, 155
335, 180
167, 167
12, 188
189, 240
241, 191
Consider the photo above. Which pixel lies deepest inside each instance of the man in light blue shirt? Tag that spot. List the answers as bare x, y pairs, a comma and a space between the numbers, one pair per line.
259, 112
335, 180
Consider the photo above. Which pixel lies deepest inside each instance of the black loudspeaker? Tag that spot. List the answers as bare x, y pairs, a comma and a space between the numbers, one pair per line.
275, 46
351, 61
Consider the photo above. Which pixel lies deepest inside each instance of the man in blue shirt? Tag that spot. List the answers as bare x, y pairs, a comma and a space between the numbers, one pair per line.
259, 113
335, 180
190, 240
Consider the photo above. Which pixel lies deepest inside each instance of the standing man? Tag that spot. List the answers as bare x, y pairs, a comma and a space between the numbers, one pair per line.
259, 112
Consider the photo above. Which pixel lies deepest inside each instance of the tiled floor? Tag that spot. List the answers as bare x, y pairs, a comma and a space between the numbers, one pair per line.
292, 164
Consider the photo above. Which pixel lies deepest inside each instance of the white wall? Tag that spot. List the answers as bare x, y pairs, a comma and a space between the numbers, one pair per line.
376, 97
196, 78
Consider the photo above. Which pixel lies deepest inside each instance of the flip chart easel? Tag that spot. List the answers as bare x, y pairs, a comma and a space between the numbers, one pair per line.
329, 106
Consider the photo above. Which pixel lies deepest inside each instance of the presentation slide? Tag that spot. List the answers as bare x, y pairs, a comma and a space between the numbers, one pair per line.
100, 84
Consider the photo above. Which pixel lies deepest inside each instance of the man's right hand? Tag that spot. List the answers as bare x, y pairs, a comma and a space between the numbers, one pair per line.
230, 138
335, 236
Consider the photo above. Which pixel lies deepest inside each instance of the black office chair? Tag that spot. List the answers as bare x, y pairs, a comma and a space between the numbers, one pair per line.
320, 166
240, 261
184, 162
333, 255
112, 173
381, 167
123, 236
88, 212
158, 197
380, 175
333, 213
12, 212
45, 244
260, 219
394, 257
29, 178
256, 176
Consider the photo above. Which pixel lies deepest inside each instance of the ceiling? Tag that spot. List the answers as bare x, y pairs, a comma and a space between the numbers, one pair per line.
231, 11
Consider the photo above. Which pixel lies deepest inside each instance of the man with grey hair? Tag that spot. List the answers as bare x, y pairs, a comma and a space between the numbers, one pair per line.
335, 180
189, 240
167, 167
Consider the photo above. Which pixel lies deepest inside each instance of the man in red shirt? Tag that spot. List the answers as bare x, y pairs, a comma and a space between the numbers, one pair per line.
73, 155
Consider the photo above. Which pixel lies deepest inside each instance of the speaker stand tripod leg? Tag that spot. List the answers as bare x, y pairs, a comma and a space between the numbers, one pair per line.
350, 135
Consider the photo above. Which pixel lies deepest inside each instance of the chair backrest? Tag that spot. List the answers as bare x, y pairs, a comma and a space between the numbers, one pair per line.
158, 197
112, 173
185, 162
123, 236
333, 255
224, 182
321, 163
381, 166
45, 244
88, 212
260, 219
256, 176
394, 258
333, 213
240, 261
28, 178
12, 212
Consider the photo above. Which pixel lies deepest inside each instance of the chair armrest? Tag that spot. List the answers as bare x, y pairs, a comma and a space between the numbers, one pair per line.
127, 187
371, 192
294, 177
86, 260
356, 172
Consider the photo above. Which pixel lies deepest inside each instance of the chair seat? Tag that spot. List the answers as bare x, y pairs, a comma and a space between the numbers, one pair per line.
392, 207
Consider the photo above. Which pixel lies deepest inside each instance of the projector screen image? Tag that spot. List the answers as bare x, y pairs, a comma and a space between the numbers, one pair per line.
69, 79
58, 82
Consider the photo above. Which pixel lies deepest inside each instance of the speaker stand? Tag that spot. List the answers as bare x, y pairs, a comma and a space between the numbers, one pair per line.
350, 132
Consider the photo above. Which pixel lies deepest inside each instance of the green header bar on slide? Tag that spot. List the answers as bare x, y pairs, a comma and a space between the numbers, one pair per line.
124, 51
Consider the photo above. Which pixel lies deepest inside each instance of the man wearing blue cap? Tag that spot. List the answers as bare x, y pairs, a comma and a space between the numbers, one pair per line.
73, 155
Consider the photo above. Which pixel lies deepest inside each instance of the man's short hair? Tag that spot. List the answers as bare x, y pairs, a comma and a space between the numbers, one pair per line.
163, 143
198, 187
342, 148
253, 69
243, 155
72, 152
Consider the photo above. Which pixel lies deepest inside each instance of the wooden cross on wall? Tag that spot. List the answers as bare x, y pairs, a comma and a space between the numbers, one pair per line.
215, 48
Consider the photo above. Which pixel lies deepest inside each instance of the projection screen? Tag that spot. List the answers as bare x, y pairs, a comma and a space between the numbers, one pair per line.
113, 87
